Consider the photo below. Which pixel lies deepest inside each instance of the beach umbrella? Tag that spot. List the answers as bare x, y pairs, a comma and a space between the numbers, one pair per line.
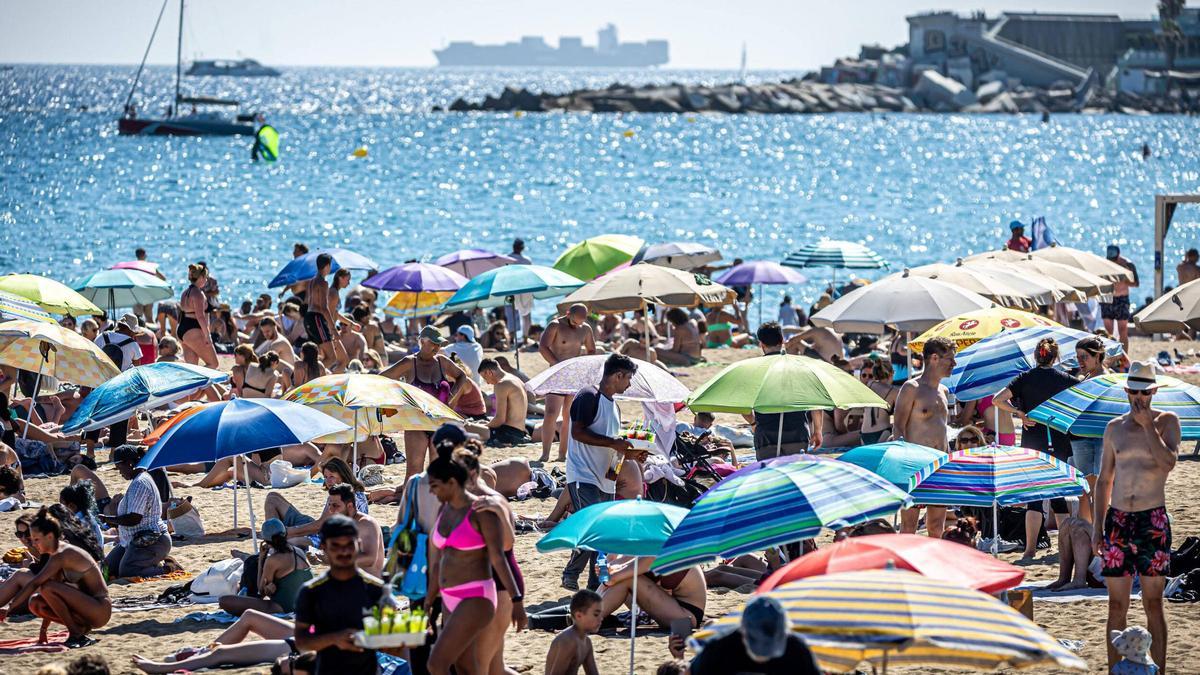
967, 328
371, 405
124, 288
947, 561
413, 304
592, 257
16, 307
633, 527
416, 277
836, 254
1084, 260
649, 383
53, 351
998, 475
1084, 281
139, 265
1173, 311
1088, 407
471, 262
759, 272
185, 411
1004, 254
680, 255
234, 428
1030, 280
788, 499
305, 267
905, 302
643, 284
978, 280
139, 388
986, 367
897, 617
49, 294
900, 463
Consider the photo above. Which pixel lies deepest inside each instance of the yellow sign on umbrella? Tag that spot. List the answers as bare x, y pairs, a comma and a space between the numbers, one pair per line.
965, 330
66, 356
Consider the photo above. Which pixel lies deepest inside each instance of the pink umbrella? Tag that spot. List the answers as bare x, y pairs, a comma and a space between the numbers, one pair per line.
471, 262
139, 265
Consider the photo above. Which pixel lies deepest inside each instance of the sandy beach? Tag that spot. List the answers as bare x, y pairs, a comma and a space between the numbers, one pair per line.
156, 632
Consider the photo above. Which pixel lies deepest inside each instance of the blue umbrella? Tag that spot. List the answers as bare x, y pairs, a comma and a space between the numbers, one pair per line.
140, 388
987, 366
900, 463
625, 527
123, 288
237, 427
495, 287
1087, 408
305, 267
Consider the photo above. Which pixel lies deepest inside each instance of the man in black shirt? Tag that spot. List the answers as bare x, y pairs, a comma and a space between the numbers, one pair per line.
799, 429
762, 644
329, 609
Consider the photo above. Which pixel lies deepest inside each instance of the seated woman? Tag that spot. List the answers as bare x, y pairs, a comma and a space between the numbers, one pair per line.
1074, 556
335, 472
841, 430
69, 589
253, 377
496, 337
80, 501
11, 483
680, 595
684, 349
227, 650
27, 568
280, 569
719, 324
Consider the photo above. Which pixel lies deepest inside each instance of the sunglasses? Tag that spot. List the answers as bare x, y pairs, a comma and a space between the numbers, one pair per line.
21, 534
1139, 392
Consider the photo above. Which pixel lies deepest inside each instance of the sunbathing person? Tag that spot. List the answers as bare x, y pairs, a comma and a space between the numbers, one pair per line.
681, 595
281, 570
507, 475
744, 570
227, 650
255, 465
69, 589
11, 483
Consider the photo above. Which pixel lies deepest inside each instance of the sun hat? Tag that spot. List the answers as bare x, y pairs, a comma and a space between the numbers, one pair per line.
1141, 377
129, 321
433, 335
1133, 644
1016, 224
466, 331
765, 628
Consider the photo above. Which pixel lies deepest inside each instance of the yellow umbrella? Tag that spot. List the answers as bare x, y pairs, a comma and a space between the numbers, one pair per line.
412, 304
965, 330
372, 405
898, 617
48, 294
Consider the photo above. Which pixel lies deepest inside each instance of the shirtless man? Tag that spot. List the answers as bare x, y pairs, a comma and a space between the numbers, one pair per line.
1188, 270
563, 339
323, 315
1140, 450
353, 342
823, 342
508, 424
371, 332
1116, 314
341, 502
921, 417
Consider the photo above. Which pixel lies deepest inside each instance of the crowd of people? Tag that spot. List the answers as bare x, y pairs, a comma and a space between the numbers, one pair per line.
326, 568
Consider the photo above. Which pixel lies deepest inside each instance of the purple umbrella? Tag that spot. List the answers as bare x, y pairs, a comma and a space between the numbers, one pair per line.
416, 277
760, 272
471, 262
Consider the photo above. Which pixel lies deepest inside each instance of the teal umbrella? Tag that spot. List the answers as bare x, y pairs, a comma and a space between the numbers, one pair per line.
626, 527
123, 288
900, 463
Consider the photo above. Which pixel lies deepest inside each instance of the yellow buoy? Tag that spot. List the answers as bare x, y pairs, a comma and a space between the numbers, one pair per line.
518, 114
691, 119
628, 133
360, 151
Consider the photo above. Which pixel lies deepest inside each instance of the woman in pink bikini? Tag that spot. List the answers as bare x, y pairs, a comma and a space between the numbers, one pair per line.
468, 546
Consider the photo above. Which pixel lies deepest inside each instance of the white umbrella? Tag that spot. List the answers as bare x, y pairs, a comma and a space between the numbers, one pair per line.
1098, 265
1173, 311
1032, 280
650, 383
681, 255
978, 280
1082, 280
908, 303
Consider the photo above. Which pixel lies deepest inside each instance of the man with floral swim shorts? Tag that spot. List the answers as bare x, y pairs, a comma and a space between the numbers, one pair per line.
1140, 449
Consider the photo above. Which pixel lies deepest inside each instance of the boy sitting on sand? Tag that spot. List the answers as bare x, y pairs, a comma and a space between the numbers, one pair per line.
572, 649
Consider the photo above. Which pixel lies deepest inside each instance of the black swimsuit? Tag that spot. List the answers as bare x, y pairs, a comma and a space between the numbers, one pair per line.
186, 322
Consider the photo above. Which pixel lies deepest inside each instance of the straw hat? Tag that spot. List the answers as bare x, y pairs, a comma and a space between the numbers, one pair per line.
1142, 377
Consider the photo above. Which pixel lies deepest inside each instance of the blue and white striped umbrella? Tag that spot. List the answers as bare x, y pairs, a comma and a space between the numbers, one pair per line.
837, 254
986, 367
1088, 407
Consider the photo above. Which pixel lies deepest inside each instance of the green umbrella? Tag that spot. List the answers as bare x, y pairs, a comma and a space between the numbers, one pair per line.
625, 527
592, 257
782, 383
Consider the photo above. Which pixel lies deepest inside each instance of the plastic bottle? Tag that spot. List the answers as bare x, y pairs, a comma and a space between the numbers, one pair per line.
602, 567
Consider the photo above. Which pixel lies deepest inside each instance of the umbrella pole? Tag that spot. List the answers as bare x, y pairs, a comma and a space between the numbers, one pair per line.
37, 384
646, 331
779, 437
995, 529
235, 494
512, 302
354, 453
908, 353
633, 618
760, 304
250, 505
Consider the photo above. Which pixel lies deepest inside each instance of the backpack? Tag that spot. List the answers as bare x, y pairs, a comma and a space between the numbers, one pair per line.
115, 350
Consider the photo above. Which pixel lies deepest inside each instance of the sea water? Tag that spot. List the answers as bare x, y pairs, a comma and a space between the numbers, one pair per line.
75, 197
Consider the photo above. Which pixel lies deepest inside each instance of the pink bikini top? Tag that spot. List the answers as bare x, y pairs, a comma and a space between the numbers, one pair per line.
464, 536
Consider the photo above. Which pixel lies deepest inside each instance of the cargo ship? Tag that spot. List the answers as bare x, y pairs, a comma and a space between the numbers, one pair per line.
608, 52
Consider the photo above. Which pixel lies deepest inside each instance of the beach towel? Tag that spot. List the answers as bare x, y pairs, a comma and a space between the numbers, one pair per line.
1042, 594
31, 646
177, 575
221, 616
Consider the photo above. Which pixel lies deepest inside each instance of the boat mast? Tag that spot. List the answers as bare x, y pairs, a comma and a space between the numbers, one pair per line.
178, 57
142, 66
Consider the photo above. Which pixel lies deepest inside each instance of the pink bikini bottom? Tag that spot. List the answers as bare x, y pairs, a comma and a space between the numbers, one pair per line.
453, 595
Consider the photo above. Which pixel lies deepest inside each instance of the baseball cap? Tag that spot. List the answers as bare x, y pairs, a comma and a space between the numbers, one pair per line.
433, 335
765, 628
467, 331
272, 528
126, 453
1114, 252
1015, 224
129, 321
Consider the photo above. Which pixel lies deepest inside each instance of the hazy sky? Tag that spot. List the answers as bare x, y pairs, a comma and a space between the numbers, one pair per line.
785, 34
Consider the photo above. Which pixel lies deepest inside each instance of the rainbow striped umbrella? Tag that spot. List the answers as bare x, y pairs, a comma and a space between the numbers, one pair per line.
897, 617
16, 307
1086, 408
785, 500
987, 366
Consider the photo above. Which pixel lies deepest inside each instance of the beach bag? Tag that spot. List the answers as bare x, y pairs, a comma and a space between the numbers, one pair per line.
370, 475
185, 519
415, 560
284, 475
220, 579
